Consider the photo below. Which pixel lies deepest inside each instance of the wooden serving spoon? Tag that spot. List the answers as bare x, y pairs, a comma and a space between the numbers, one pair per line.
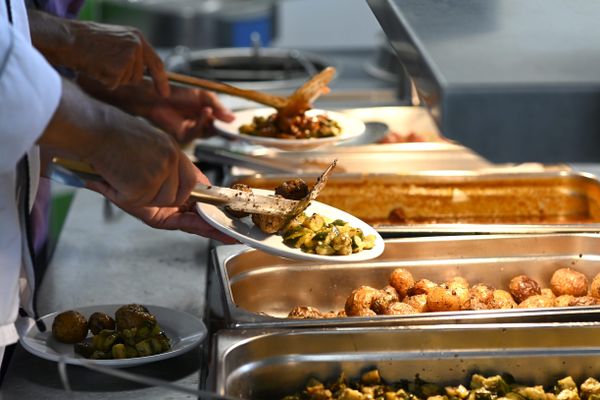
295, 104
259, 97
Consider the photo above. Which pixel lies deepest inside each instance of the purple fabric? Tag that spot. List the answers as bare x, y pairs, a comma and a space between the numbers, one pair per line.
62, 8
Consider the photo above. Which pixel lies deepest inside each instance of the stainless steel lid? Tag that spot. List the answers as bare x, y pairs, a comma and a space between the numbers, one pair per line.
259, 68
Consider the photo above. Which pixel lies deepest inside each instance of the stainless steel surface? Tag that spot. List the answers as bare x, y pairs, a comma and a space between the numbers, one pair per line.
193, 23
442, 202
362, 154
116, 261
514, 81
493, 260
269, 365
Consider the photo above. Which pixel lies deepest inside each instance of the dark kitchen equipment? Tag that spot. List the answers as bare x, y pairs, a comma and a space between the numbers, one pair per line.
252, 67
195, 23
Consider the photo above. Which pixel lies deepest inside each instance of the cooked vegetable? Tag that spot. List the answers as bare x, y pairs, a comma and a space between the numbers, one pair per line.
316, 234
372, 386
297, 127
70, 327
137, 334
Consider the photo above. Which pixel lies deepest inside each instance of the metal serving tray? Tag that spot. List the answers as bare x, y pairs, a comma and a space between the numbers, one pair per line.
443, 202
268, 365
259, 290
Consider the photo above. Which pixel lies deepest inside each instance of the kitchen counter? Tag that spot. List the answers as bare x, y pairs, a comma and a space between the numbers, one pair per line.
115, 260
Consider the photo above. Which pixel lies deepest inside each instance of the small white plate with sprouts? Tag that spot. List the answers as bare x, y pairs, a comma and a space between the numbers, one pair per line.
245, 231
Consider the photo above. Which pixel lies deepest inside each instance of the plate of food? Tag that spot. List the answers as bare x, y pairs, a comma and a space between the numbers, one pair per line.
314, 128
115, 335
320, 233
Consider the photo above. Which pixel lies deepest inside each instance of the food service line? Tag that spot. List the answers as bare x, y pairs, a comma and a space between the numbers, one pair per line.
141, 265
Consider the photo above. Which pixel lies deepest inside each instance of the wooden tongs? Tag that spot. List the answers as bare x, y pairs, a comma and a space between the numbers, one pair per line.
75, 173
296, 103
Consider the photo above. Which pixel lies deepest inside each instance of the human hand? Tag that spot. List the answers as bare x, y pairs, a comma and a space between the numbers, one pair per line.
169, 218
115, 55
185, 114
142, 165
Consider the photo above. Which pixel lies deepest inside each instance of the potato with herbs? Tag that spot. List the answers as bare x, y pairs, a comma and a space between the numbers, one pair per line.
569, 281
305, 312
537, 301
521, 287
402, 280
418, 302
422, 286
70, 327
501, 299
595, 287
360, 300
442, 299
387, 296
294, 189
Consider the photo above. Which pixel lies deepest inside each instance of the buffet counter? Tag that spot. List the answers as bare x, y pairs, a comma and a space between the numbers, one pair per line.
107, 257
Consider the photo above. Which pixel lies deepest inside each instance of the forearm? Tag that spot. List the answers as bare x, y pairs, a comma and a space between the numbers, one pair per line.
54, 37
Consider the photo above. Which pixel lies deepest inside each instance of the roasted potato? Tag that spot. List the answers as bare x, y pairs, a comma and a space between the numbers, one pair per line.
100, 321
268, 223
422, 286
457, 282
595, 287
563, 300
569, 281
360, 300
387, 296
521, 287
70, 327
501, 299
442, 299
402, 280
537, 301
398, 308
481, 293
418, 302
305, 312
584, 301
294, 189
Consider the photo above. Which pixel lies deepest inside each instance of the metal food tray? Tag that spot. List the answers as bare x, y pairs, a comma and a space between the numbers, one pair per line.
259, 290
461, 202
268, 365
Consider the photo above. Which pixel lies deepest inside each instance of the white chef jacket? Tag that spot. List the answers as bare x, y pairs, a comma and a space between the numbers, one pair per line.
30, 91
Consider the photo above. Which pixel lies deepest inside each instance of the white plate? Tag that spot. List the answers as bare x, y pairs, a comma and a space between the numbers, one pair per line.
184, 330
351, 128
246, 232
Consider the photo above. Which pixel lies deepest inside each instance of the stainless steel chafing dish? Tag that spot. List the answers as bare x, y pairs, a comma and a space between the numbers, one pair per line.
259, 290
268, 365
462, 201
